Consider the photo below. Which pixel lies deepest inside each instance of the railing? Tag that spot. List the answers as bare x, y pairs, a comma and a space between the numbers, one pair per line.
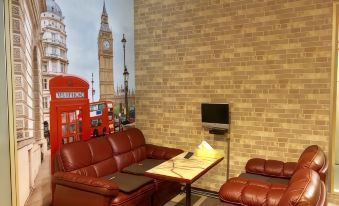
54, 41
54, 27
55, 55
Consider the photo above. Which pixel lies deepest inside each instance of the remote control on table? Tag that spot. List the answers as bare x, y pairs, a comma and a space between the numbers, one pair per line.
188, 155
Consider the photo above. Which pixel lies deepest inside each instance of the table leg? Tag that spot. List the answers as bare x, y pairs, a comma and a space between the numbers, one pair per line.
188, 194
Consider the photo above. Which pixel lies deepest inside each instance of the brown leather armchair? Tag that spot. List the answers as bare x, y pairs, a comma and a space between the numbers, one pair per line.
109, 171
312, 157
305, 188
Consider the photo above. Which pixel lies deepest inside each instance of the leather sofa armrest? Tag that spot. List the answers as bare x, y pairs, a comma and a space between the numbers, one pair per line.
162, 153
272, 168
85, 183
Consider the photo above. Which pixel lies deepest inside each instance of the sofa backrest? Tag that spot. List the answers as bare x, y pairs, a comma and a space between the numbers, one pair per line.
102, 156
304, 189
314, 158
128, 147
91, 158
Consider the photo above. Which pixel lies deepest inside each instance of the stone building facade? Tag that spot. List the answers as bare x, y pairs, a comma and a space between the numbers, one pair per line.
27, 54
54, 61
271, 60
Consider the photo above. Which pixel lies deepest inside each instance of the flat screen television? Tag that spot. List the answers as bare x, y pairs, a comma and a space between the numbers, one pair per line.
215, 115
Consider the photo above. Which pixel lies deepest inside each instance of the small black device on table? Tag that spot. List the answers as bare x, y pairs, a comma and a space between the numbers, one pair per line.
188, 155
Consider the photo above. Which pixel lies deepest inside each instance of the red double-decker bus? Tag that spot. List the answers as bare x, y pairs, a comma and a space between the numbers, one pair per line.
101, 118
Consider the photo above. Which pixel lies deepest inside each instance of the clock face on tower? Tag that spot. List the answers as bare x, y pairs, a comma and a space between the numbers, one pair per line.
106, 44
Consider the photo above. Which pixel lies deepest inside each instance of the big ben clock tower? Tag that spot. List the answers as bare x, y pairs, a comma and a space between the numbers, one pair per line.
105, 55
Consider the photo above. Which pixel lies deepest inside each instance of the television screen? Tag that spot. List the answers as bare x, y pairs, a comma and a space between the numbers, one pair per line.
215, 115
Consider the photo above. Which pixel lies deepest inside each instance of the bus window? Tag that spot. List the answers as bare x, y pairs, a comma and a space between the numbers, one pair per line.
110, 116
94, 123
101, 106
94, 107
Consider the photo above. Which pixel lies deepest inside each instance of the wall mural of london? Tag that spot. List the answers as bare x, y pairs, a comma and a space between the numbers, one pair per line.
73, 66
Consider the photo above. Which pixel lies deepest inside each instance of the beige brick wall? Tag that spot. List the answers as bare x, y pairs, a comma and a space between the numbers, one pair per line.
333, 199
271, 60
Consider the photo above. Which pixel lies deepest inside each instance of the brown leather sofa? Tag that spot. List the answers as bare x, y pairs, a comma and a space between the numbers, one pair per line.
272, 182
312, 157
304, 189
109, 171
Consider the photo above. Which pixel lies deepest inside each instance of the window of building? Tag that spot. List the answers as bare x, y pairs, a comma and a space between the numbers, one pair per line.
63, 69
44, 67
53, 36
44, 84
54, 67
45, 102
62, 53
54, 51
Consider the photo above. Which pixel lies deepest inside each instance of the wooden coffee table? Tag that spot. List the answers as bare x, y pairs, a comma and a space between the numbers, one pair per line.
183, 170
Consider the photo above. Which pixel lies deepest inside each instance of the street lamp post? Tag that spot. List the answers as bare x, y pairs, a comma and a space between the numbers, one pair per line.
126, 74
93, 91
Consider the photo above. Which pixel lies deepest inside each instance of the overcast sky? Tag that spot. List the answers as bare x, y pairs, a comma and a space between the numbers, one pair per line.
82, 20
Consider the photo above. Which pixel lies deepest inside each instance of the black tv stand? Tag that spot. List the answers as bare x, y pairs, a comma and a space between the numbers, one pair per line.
218, 131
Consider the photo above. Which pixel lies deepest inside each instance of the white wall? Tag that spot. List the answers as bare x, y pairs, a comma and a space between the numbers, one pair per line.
337, 129
5, 175
29, 161
24, 184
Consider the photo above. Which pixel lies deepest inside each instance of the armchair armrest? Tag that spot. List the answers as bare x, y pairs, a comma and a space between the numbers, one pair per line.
85, 183
272, 168
162, 153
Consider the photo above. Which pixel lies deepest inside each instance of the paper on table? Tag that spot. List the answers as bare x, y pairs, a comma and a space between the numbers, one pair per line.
205, 145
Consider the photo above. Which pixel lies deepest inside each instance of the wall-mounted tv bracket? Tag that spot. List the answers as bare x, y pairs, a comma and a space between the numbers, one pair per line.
217, 131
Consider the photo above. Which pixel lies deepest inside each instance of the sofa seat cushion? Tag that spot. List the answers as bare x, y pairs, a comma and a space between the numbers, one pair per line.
268, 179
141, 167
141, 196
251, 192
128, 182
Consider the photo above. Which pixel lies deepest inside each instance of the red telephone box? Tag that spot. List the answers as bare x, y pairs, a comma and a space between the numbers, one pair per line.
69, 112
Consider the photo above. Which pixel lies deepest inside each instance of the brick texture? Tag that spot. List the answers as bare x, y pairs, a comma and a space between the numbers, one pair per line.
270, 59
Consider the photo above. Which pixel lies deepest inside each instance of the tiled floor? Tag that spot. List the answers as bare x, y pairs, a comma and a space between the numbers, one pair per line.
196, 200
